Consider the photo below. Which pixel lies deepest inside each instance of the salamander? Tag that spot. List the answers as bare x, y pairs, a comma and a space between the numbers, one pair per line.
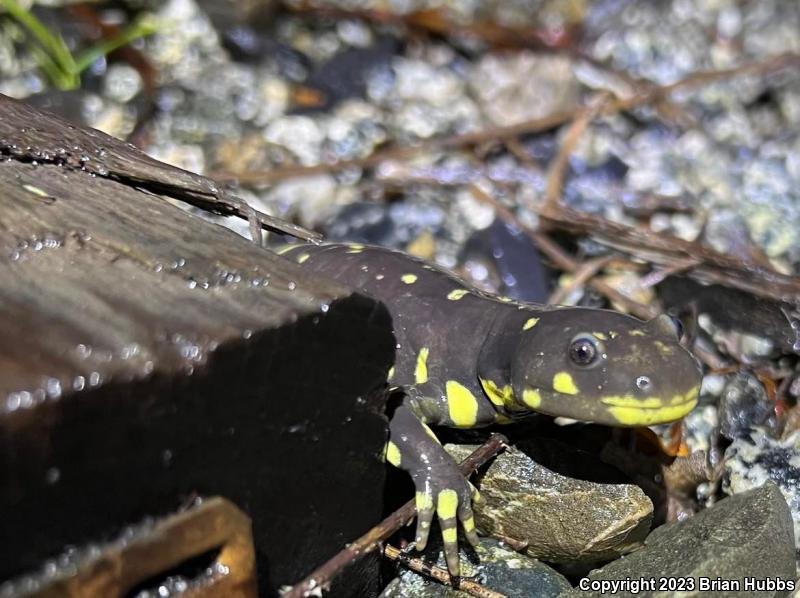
467, 359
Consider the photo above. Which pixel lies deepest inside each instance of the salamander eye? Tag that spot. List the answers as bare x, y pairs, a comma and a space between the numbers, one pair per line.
583, 350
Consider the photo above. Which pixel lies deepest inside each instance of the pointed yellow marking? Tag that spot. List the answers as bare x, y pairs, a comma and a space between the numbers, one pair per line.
447, 504
392, 454
302, 258
457, 294
461, 404
355, 248
498, 396
532, 398
505, 299
285, 249
409, 278
530, 323
600, 335
421, 371
429, 432
637, 333
563, 383
390, 375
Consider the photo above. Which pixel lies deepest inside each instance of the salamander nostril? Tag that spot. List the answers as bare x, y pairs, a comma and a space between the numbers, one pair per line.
643, 383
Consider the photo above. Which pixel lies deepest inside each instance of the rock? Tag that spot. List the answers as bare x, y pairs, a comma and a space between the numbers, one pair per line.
747, 536
744, 405
753, 460
561, 519
499, 568
512, 88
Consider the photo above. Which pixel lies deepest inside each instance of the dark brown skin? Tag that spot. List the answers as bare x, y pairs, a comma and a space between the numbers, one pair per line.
467, 359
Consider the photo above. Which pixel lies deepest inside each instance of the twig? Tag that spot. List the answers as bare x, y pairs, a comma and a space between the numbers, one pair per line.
583, 274
668, 251
648, 94
321, 577
558, 169
658, 276
439, 574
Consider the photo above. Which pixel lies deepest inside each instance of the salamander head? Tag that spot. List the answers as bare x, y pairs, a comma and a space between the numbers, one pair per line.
605, 367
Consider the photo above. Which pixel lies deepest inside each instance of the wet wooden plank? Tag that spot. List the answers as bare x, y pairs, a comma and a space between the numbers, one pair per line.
147, 355
29, 135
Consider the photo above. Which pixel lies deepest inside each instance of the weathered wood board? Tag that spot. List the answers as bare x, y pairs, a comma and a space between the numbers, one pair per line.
147, 355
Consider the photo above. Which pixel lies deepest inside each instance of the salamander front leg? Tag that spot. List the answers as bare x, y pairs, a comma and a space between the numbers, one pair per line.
440, 486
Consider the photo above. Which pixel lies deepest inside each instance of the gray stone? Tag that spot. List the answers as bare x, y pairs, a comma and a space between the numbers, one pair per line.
561, 519
746, 536
499, 568
756, 458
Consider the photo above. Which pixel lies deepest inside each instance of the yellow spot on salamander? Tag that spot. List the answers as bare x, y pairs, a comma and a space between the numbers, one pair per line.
450, 535
409, 278
600, 335
356, 248
461, 404
424, 501
505, 299
390, 375
644, 412
637, 333
302, 258
563, 383
447, 504
530, 323
393, 454
429, 432
636, 416
457, 294
285, 249
692, 394
664, 348
469, 524
532, 398
631, 401
421, 371
502, 397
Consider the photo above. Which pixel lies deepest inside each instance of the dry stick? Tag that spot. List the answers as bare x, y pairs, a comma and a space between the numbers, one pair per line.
649, 94
669, 251
558, 169
658, 276
439, 574
563, 261
321, 577
676, 254
585, 272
